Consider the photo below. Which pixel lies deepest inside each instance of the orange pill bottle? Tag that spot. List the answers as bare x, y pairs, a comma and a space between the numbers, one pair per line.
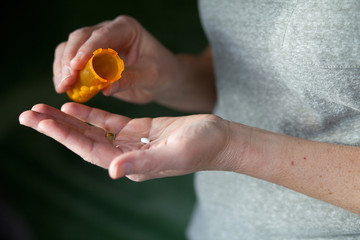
103, 68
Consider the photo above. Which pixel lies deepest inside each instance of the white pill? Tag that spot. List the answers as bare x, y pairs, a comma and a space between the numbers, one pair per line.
145, 140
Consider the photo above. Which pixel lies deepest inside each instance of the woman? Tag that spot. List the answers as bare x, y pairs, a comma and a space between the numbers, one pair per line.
277, 160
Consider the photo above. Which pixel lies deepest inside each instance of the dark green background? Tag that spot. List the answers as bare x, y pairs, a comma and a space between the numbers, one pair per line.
46, 191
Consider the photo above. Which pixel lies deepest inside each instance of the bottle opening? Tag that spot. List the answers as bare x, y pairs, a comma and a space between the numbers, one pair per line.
106, 66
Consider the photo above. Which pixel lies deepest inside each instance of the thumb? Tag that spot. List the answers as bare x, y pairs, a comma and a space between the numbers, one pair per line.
128, 79
142, 165
144, 74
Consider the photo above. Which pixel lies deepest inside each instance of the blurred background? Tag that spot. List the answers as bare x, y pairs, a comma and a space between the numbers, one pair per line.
48, 192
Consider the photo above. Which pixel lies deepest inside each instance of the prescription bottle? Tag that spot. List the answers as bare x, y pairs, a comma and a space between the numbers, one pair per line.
103, 68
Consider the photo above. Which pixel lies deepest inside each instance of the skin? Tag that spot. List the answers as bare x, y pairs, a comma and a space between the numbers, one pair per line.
177, 144
152, 72
182, 145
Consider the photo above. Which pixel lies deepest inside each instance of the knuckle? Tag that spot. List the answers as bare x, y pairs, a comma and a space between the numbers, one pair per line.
125, 19
79, 33
60, 47
40, 107
127, 22
103, 31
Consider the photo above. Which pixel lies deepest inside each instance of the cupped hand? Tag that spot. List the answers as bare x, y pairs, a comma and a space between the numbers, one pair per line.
178, 145
148, 65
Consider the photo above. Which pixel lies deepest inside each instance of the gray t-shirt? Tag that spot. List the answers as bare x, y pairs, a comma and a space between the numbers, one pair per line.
291, 67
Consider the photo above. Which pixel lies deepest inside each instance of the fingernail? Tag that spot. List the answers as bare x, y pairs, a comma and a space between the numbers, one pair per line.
115, 172
76, 58
58, 79
65, 74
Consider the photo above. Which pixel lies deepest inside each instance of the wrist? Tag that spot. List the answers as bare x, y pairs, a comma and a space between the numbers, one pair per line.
252, 151
260, 159
238, 147
190, 84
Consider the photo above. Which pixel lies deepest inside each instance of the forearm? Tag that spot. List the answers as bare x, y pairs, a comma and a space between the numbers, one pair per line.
193, 87
327, 172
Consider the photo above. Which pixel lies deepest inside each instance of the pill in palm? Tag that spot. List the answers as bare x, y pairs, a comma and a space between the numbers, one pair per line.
145, 140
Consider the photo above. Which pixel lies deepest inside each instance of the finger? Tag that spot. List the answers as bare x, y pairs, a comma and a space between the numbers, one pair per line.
31, 119
57, 65
48, 112
100, 118
143, 74
89, 145
120, 34
129, 78
136, 165
96, 152
78, 56
39, 112
124, 165
72, 56
75, 40
155, 162
59, 115
69, 72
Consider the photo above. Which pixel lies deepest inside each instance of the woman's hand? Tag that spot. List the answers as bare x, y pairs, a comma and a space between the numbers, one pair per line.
152, 73
178, 145
182, 145
149, 65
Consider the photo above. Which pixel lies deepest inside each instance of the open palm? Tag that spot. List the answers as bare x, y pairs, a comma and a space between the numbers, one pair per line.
178, 145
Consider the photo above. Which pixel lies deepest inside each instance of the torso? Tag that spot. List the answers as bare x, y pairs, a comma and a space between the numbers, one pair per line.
291, 67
